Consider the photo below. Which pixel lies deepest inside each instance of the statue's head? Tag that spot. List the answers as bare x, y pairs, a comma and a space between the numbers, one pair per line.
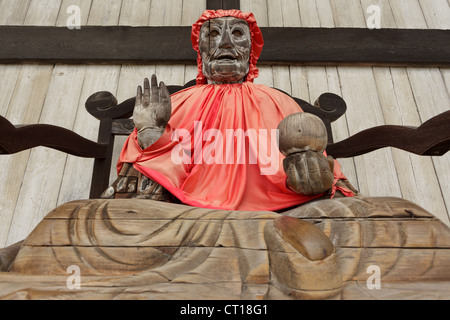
228, 43
225, 45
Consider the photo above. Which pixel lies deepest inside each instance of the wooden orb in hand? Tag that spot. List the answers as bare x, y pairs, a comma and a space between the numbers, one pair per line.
300, 132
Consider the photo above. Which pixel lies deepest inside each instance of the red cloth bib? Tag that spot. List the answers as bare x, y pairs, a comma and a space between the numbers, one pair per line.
220, 151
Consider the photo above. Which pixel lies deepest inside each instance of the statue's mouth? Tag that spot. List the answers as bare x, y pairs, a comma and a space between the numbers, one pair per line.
226, 57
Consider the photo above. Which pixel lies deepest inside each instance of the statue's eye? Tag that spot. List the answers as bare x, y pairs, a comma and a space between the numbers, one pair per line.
214, 33
237, 33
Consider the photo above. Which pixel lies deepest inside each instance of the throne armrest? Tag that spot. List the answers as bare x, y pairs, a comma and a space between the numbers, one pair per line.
18, 138
432, 138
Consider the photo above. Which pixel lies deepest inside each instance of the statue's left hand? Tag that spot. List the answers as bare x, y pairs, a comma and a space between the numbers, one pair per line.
309, 172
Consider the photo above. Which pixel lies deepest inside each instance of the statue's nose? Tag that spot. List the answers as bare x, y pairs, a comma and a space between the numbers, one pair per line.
225, 41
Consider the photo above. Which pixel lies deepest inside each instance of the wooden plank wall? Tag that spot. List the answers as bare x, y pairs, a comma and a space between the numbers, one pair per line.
34, 182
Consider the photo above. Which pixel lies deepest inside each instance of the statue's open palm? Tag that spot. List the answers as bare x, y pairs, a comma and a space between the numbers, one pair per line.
152, 111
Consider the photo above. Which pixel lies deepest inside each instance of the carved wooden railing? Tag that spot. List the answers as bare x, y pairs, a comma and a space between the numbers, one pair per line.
432, 138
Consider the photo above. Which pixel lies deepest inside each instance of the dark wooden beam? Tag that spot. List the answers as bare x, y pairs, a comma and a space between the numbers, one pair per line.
286, 46
96, 45
223, 4
356, 46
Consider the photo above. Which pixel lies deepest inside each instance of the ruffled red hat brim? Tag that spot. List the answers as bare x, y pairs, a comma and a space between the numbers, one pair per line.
256, 37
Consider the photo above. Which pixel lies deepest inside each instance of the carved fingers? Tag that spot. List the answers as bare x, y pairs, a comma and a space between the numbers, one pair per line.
152, 111
309, 172
130, 183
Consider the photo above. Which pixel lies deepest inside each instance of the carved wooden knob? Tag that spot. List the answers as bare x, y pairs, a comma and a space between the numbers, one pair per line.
300, 132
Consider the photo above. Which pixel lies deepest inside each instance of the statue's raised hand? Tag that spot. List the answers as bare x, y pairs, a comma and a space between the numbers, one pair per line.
152, 111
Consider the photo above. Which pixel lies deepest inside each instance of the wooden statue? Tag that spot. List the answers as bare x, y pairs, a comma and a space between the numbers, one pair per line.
143, 240
226, 54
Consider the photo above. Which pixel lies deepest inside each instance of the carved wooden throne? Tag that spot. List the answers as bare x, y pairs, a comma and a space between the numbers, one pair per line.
129, 248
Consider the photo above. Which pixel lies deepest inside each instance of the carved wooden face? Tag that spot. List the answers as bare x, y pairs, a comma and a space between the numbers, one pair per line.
225, 45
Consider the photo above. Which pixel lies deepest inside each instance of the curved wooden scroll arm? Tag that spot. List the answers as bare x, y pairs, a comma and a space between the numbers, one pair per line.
432, 138
14, 139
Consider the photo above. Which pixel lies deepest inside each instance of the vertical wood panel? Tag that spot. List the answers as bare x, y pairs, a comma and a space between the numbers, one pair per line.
63, 16
325, 13
26, 105
340, 127
386, 16
299, 83
134, 12
309, 15
42, 179
78, 171
190, 73
192, 10
348, 13
416, 174
8, 79
291, 13
104, 12
157, 13
282, 78
259, 10
446, 76
432, 98
265, 76
11, 85
436, 13
13, 12
430, 93
408, 14
376, 171
275, 13
42, 12
172, 12
166, 13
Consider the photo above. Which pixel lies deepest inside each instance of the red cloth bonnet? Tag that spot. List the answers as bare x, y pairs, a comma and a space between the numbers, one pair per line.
256, 36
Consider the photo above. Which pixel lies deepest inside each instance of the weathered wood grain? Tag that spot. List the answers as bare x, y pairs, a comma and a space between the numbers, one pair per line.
192, 9
42, 179
43, 13
408, 14
13, 12
65, 14
28, 98
436, 13
416, 174
158, 250
104, 13
134, 13
75, 185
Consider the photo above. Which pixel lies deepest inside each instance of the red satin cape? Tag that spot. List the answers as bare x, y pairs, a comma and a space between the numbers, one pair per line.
210, 175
